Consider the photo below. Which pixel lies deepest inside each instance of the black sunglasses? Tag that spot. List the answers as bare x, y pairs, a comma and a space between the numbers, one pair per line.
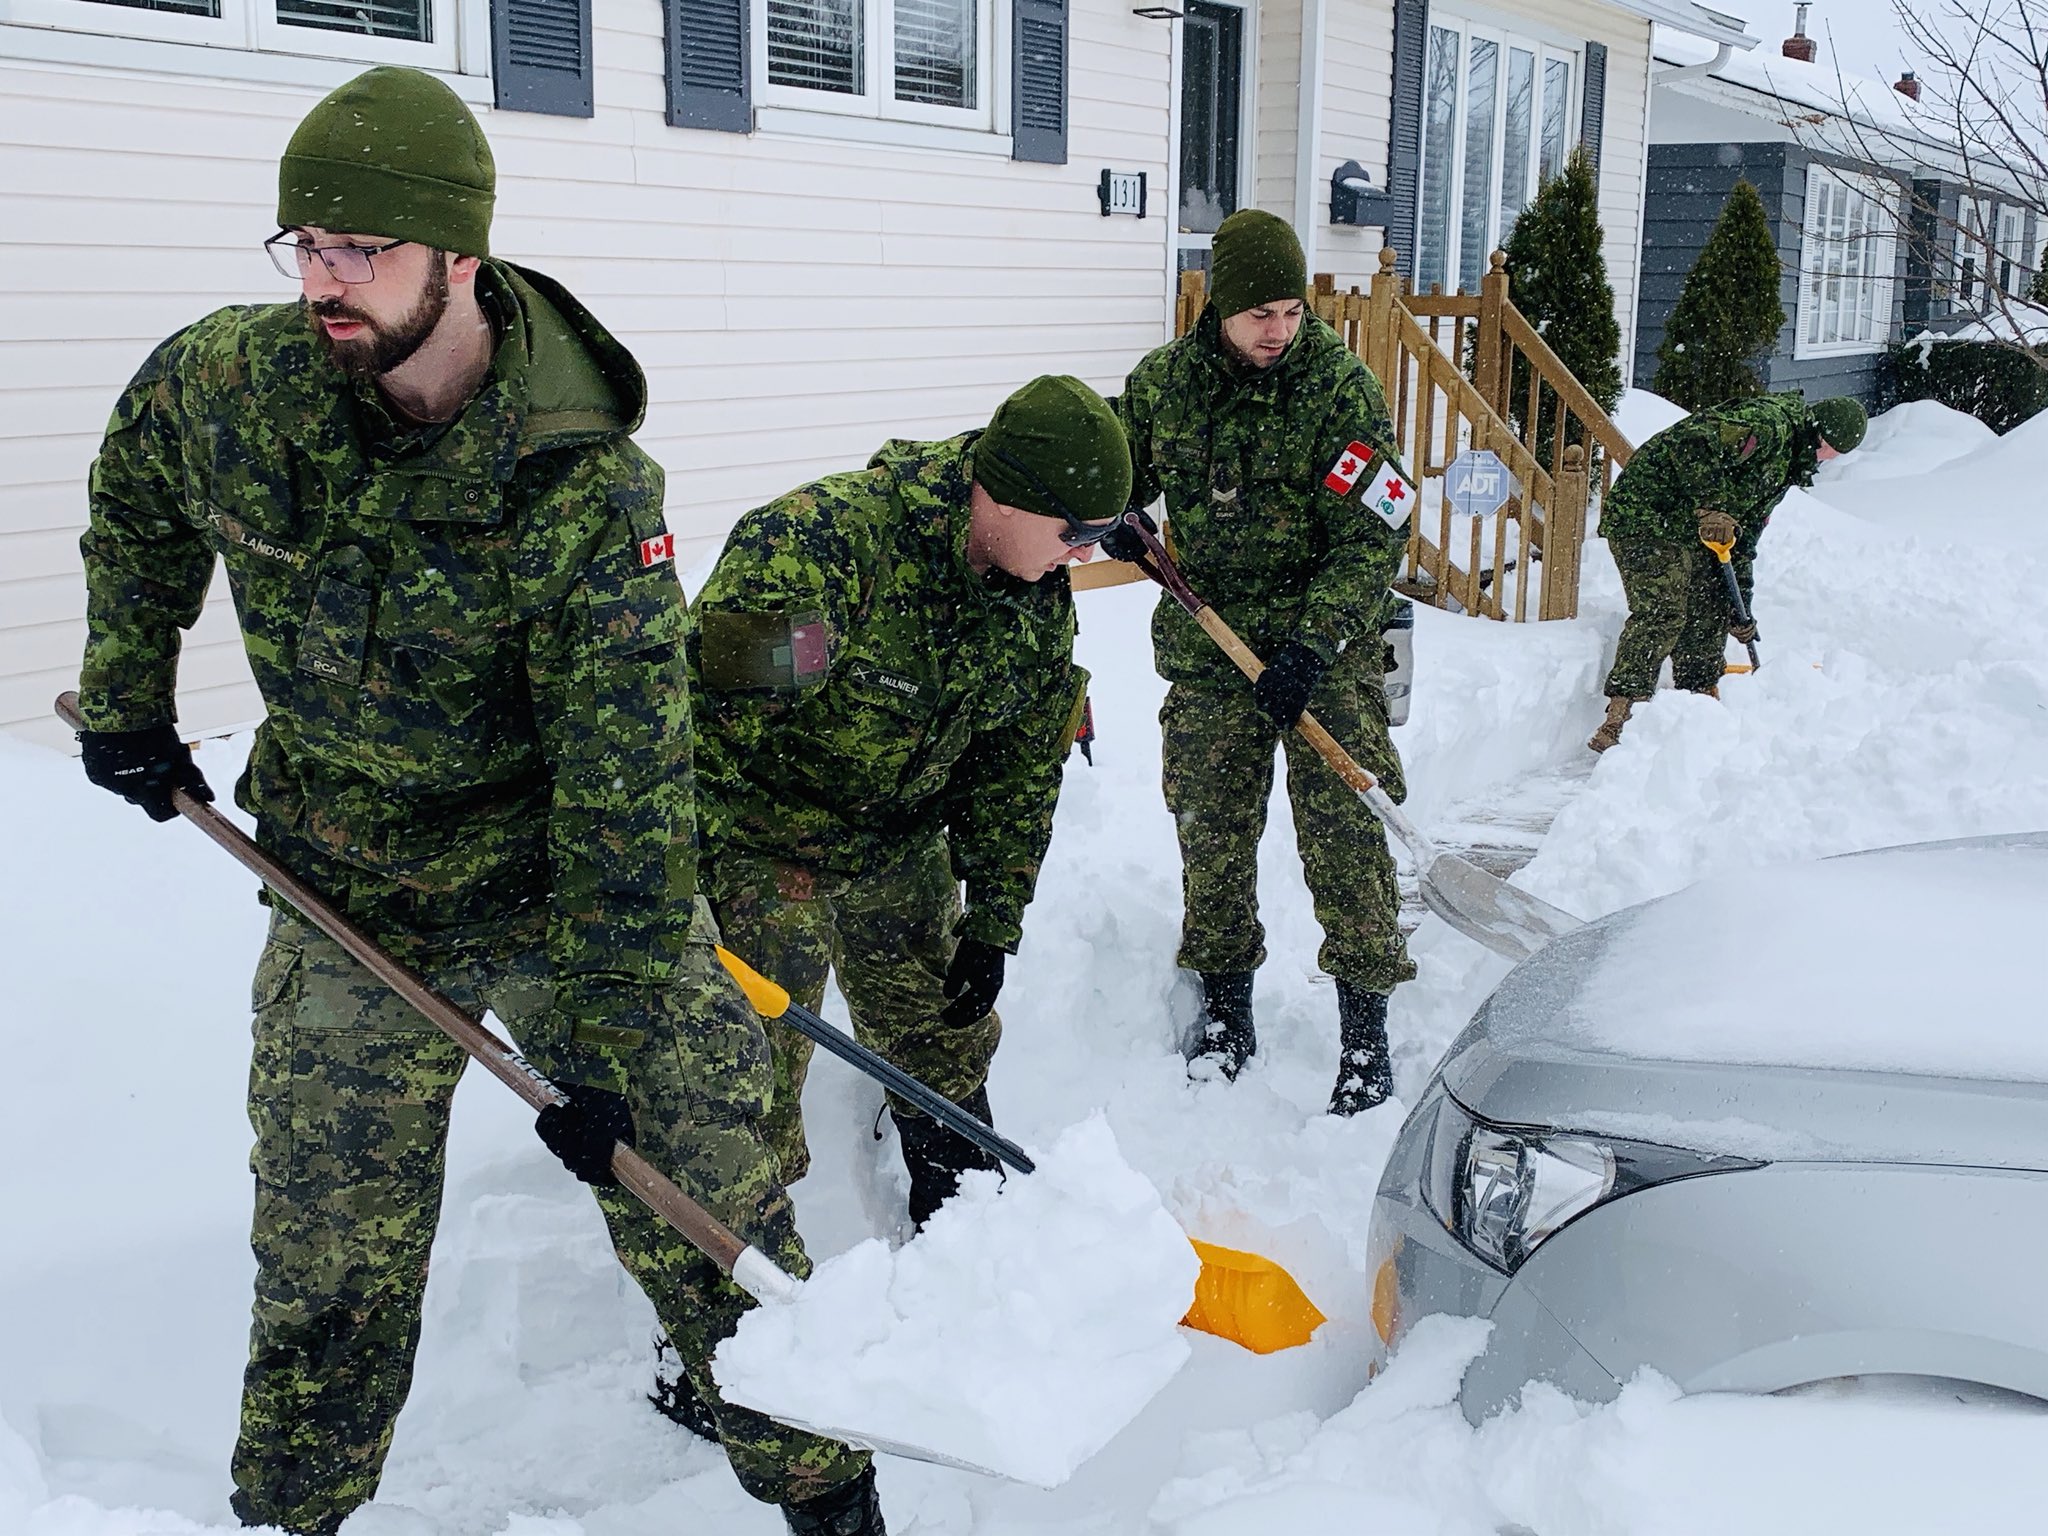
1077, 534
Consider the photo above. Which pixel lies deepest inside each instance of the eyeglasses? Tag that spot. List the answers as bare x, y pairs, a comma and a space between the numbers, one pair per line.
293, 257
1077, 534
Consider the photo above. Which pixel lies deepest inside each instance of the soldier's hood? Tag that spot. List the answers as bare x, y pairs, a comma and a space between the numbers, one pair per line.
580, 383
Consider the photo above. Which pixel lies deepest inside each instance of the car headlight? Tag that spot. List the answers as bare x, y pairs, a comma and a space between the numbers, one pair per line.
1502, 1189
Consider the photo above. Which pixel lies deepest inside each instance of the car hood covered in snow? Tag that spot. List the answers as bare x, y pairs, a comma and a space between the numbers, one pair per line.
1858, 1009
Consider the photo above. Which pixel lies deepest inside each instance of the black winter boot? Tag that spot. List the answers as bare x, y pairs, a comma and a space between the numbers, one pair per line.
675, 1396
936, 1157
1225, 1033
851, 1509
1365, 1071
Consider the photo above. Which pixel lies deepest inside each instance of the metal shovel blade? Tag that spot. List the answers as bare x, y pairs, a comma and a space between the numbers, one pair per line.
882, 1445
1505, 918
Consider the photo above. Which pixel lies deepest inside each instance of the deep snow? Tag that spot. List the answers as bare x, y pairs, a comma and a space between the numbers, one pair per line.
1904, 696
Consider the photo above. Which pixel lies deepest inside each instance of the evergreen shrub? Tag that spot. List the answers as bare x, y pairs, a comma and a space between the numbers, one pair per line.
1557, 278
1728, 315
2000, 384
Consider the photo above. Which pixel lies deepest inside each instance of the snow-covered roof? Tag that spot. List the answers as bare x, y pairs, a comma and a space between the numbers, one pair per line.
1693, 20
1827, 107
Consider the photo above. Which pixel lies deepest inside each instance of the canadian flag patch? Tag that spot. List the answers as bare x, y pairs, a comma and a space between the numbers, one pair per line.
1349, 466
654, 551
1391, 494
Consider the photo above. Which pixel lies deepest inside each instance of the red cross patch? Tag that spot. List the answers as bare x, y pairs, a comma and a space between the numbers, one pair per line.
654, 551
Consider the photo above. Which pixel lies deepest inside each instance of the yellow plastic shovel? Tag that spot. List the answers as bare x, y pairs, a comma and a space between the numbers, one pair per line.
1242, 1297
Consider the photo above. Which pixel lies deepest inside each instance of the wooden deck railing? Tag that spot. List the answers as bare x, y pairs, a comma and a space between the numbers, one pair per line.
1519, 400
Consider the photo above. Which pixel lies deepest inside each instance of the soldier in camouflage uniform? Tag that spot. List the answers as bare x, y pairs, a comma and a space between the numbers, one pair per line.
1715, 476
883, 663
459, 602
1260, 428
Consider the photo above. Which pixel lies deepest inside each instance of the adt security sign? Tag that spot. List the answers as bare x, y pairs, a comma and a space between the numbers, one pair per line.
1477, 482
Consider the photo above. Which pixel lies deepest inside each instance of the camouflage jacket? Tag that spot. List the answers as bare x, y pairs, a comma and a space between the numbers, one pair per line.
1739, 459
477, 718
858, 684
1241, 456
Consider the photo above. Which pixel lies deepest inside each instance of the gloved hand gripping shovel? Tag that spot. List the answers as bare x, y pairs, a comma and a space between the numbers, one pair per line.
1722, 553
751, 1270
1505, 918
1243, 1297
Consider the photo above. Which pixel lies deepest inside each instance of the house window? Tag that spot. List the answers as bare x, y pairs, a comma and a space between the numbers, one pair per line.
1847, 257
1972, 253
1495, 113
1211, 115
915, 60
417, 32
2011, 272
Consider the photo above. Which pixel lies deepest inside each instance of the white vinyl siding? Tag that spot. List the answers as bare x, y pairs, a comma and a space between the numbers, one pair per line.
795, 301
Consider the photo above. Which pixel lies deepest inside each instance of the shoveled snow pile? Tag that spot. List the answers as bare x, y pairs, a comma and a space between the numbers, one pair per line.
1028, 1324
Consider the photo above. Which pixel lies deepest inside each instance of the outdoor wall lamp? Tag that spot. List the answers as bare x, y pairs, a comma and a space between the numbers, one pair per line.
1353, 200
1158, 12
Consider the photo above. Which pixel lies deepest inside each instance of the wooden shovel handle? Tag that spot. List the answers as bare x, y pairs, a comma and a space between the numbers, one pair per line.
1249, 664
703, 1230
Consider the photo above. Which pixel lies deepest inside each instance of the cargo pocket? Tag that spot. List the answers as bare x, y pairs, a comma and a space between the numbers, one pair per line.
274, 1001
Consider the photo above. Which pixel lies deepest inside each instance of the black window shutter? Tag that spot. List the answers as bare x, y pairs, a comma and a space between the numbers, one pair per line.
1595, 115
1404, 131
710, 72
1038, 87
540, 56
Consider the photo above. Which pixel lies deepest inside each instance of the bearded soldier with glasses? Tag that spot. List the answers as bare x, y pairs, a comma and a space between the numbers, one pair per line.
459, 600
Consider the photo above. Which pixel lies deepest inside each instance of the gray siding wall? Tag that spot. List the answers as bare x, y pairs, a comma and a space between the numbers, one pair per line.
1688, 186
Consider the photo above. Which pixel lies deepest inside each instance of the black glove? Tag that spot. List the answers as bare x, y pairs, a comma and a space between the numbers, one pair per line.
1122, 542
582, 1131
1744, 630
973, 981
143, 767
1290, 677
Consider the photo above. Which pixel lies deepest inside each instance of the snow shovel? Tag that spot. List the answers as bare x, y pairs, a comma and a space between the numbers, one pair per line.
751, 1270
1505, 918
1721, 553
1243, 1297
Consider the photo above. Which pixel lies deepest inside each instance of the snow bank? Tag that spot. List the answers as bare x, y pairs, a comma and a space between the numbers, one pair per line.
1982, 498
1027, 1325
1911, 439
1400, 1461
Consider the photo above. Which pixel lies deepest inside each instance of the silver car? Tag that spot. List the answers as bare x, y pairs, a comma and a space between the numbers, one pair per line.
1760, 1134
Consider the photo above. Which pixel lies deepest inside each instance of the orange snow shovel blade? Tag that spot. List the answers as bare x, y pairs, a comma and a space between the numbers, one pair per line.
1241, 1297
1250, 1300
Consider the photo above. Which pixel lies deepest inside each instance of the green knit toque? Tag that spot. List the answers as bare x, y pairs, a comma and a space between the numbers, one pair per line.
396, 153
1056, 448
1255, 260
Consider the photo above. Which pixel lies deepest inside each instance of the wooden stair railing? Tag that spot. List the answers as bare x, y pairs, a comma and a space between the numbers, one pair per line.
1438, 411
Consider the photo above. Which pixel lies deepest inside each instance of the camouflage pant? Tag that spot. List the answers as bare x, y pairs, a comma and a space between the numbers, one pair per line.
349, 1092
889, 935
1218, 780
1677, 607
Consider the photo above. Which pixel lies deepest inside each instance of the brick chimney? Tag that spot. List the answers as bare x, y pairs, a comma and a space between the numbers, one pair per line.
1799, 46
1908, 84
